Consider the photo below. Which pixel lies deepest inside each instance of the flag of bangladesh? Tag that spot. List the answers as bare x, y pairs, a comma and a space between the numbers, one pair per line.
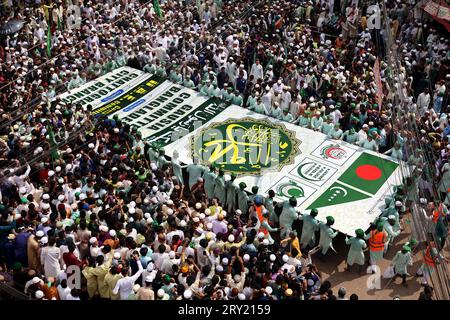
368, 173
337, 194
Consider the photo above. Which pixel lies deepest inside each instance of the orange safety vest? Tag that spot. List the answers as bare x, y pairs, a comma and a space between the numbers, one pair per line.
377, 240
261, 219
437, 213
428, 259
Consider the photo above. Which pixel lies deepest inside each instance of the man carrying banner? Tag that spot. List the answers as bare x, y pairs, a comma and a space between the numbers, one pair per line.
288, 215
377, 242
310, 226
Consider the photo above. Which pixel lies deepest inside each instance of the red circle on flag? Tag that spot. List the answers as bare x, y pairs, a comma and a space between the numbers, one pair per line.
368, 172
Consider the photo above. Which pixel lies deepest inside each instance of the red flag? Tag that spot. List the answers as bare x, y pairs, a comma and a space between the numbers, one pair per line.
376, 73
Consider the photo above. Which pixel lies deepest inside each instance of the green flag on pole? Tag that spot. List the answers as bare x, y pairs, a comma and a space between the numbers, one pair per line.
157, 9
49, 41
53, 144
59, 24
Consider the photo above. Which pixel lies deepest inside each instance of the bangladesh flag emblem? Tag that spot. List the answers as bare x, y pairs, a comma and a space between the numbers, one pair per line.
368, 173
337, 194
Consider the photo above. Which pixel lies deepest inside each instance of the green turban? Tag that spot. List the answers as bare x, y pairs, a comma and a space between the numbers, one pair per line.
255, 189
359, 233
406, 248
242, 185
330, 220
314, 212
24, 200
17, 266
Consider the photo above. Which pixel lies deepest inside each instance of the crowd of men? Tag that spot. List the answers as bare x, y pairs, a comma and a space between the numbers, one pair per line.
86, 198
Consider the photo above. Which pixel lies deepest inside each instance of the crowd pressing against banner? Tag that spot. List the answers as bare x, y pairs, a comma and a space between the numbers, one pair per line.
84, 192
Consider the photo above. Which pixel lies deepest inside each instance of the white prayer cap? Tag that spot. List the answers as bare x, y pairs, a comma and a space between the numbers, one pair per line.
219, 268
36, 280
209, 225
183, 223
154, 188
187, 294
272, 257
225, 261
196, 219
51, 173
149, 220
40, 234
172, 254
46, 206
241, 296
83, 196
44, 219
198, 205
169, 202
398, 203
224, 213
231, 238
269, 290
68, 166
44, 240
391, 217
161, 293
285, 258
169, 212
130, 219
23, 190
208, 211
58, 169
238, 212
117, 255
132, 204
265, 242
112, 233
61, 197
423, 200
149, 279
246, 257
103, 228
92, 240
147, 215
132, 210
39, 294
201, 216
237, 278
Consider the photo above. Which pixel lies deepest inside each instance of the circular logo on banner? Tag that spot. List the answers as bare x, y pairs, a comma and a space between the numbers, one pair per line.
333, 152
312, 171
246, 146
290, 189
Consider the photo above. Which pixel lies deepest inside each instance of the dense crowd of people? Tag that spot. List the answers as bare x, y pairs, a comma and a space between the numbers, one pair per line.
84, 197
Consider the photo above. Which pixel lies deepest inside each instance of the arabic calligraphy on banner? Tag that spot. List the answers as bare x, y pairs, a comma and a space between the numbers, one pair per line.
246, 146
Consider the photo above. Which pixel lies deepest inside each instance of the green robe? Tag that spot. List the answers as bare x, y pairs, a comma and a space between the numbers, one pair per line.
209, 179
231, 189
326, 237
288, 216
310, 226
177, 170
268, 203
356, 252
303, 121
243, 200
150, 68
326, 127
195, 171
219, 190
401, 261
259, 108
